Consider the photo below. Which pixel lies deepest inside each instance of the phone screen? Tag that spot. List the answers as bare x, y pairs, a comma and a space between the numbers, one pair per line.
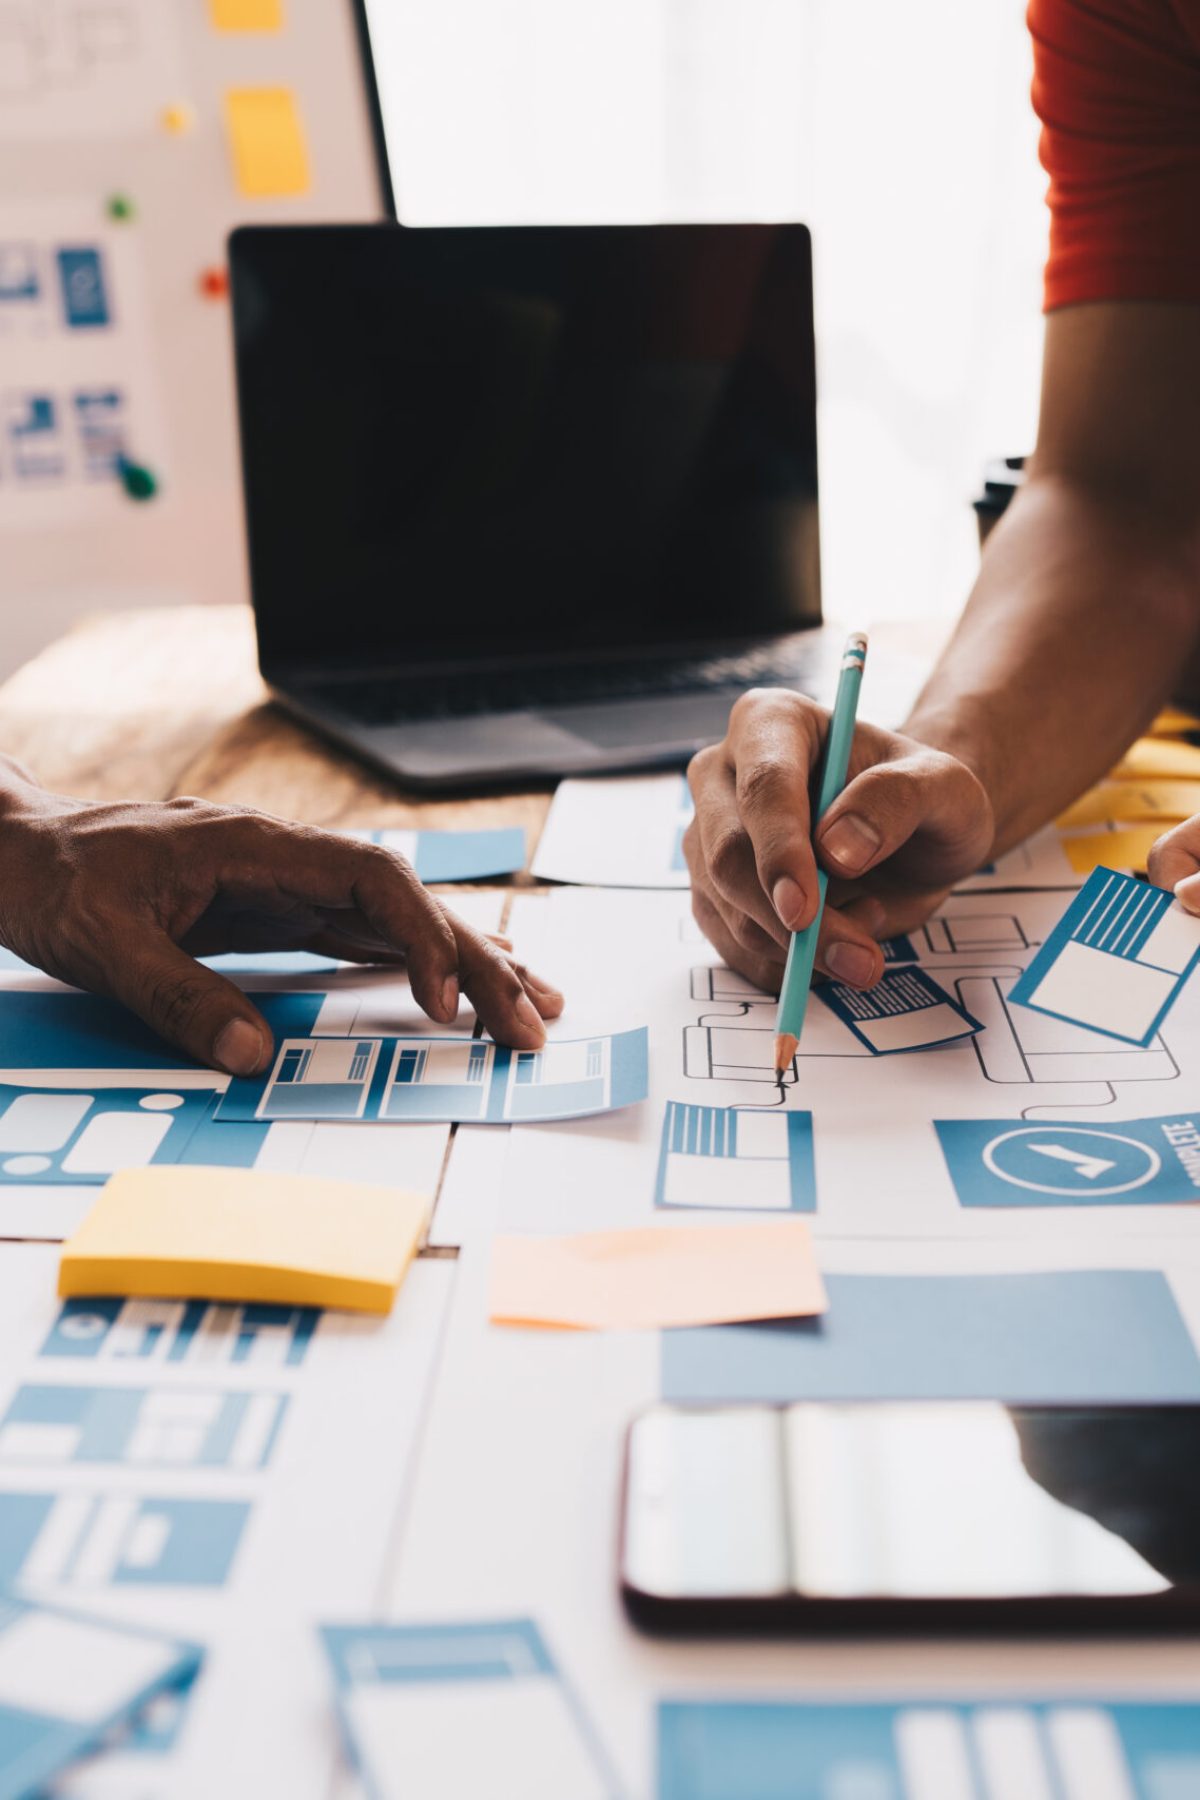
912, 1501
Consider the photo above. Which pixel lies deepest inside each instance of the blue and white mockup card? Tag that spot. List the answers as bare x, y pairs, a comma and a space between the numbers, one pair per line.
442, 1079
750, 1159
1048, 1162
1116, 961
447, 1711
981, 1749
66, 1680
455, 855
906, 1010
69, 1135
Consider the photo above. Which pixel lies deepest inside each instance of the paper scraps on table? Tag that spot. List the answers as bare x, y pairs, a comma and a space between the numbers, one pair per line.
657, 1277
67, 1680
245, 1235
1117, 960
438, 1710
1128, 847
1159, 759
1133, 803
450, 1080
906, 1010
617, 831
454, 855
745, 1158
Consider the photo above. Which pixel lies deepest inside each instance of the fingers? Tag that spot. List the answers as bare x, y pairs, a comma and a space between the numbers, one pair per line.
884, 807
192, 1007
510, 1000
1174, 863
764, 967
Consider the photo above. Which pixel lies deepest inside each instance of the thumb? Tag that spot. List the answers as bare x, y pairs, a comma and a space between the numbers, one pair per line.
1174, 863
881, 809
193, 1008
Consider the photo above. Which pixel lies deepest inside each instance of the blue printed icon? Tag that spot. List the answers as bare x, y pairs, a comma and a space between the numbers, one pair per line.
749, 1158
18, 274
82, 287
34, 431
93, 1540
179, 1331
1137, 1162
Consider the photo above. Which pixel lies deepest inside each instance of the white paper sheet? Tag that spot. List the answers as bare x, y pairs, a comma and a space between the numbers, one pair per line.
623, 831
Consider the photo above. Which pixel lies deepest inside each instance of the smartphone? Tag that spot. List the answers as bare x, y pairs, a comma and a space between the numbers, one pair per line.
912, 1516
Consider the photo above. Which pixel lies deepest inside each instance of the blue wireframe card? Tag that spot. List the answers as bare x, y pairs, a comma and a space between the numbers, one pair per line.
445, 1711
906, 1010
749, 1159
442, 1079
456, 855
1117, 960
66, 1681
68, 1136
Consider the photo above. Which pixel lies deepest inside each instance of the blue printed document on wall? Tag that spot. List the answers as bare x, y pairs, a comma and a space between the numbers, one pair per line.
442, 1079
906, 1010
445, 1711
66, 1681
917, 1749
1117, 960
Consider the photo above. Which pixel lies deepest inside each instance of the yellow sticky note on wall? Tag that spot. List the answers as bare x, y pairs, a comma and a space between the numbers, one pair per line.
266, 137
241, 1234
246, 15
658, 1276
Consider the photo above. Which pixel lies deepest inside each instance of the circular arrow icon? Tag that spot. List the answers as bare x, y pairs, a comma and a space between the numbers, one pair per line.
1071, 1160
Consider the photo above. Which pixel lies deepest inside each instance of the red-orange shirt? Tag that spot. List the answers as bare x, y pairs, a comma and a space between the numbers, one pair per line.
1117, 88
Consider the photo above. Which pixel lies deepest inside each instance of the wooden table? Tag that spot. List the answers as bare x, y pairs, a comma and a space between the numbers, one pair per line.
150, 704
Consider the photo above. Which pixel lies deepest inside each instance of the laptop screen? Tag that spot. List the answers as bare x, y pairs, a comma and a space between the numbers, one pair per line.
464, 443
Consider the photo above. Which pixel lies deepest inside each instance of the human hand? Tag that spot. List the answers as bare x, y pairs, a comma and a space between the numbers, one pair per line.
121, 898
1174, 863
910, 822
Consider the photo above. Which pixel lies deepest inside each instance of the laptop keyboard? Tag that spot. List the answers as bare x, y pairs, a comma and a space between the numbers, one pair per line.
395, 699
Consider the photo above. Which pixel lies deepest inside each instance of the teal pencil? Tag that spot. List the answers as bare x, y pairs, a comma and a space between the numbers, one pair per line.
802, 951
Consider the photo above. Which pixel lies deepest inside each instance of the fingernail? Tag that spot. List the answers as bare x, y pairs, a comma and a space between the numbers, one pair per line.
238, 1048
850, 842
852, 963
450, 997
787, 897
529, 1015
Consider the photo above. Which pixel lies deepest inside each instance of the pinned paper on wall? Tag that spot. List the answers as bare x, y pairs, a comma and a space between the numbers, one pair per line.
267, 142
67, 1680
454, 1080
246, 15
906, 1010
437, 1710
662, 1276
745, 1158
1117, 960
245, 1235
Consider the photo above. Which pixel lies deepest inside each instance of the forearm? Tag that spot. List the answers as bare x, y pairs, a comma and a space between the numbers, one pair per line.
1079, 624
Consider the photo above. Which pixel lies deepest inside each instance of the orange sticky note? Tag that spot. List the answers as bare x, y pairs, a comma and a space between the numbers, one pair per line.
661, 1276
246, 15
1173, 721
1159, 759
266, 137
173, 1233
1126, 849
1134, 801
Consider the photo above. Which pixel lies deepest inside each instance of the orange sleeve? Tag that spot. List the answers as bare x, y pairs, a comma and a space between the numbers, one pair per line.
1117, 88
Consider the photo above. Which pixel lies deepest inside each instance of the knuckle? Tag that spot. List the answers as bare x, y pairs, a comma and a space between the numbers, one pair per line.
726, 857
764, 785
175, 1003
701, 769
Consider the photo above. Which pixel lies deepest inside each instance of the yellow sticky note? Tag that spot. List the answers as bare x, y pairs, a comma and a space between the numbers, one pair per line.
1173, 721
246, 15
1168, 802
1112, 849
1159, 759
241, 1234
266, 136
661, 1276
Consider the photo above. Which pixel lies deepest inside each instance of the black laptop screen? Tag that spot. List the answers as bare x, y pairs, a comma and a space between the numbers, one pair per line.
524, 441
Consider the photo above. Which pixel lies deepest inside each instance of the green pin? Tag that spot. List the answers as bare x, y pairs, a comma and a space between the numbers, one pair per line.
139, 482
120, 206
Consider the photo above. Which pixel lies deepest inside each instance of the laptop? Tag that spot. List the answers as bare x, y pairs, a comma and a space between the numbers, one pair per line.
528, 501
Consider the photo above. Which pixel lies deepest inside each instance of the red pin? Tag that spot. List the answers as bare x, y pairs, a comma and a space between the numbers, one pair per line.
214, 283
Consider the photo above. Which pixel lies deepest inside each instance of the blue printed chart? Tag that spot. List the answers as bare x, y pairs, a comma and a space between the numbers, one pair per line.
1138, 1162
471, 1080
1042, 1749
747, 1159
1090, 1335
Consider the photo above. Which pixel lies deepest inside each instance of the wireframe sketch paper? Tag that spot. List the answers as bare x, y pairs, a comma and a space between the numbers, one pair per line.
1117, 960
470, 1080
906, 1010
985, 1748
660, 1276
437, 1710
66, 1680
752, 1159
623, 831
1046, 1162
